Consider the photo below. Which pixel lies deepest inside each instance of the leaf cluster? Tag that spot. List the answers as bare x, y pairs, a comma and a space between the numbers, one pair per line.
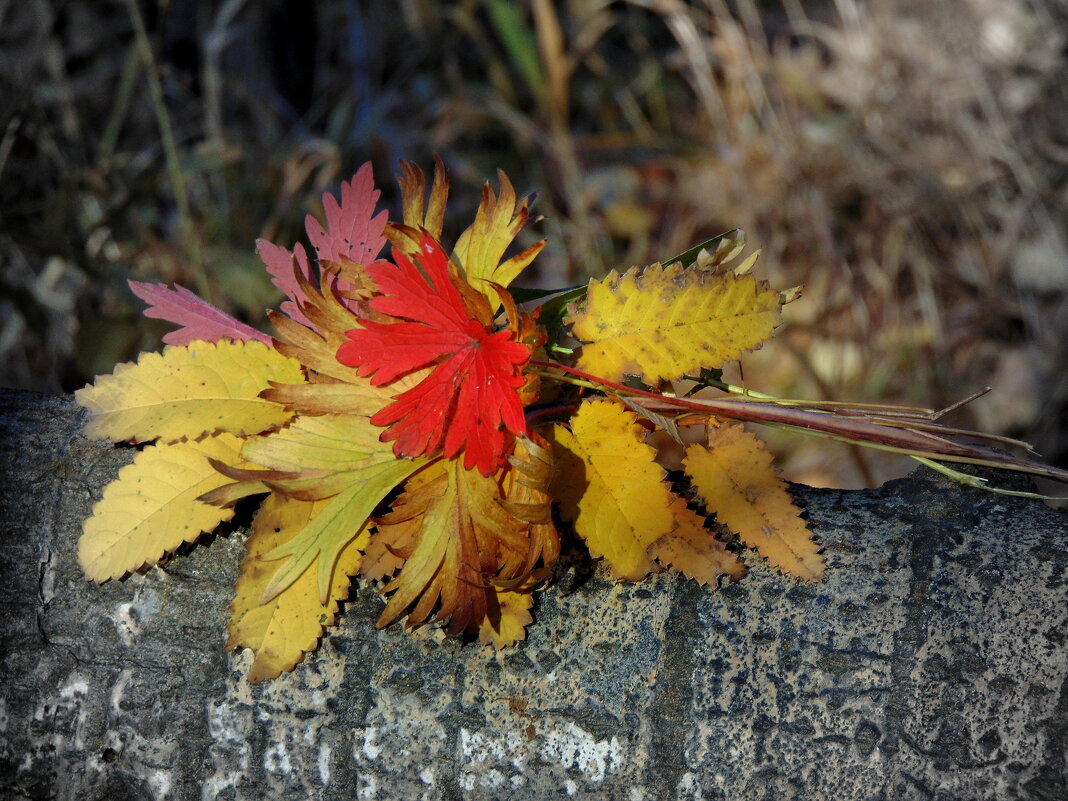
409, 425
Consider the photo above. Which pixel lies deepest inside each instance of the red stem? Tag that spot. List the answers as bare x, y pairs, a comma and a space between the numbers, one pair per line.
851, 428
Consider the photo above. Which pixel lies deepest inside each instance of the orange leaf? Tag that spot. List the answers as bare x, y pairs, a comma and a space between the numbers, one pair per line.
436, 524
525, 489
464, 536
405, 237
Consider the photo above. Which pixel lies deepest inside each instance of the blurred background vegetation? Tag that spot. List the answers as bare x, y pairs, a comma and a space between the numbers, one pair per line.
906, 160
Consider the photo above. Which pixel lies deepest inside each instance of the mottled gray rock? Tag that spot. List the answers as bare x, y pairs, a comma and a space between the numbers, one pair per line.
932, 664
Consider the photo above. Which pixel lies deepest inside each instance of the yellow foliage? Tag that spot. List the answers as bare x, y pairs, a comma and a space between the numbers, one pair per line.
608, 483
188, 391
735, 478
480, 248
507, 620
694, 551
661, 323
283, 629
152, 507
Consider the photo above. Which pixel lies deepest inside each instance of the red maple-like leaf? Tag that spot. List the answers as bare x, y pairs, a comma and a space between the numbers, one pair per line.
473, 389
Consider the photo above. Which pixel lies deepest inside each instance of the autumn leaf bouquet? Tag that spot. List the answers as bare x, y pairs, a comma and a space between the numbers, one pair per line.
418, 422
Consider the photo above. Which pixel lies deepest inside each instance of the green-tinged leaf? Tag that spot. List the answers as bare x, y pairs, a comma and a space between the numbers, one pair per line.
719, 250
551, 313
336, 526
521, 294
667, 424
283, 629
519, 41
322, 454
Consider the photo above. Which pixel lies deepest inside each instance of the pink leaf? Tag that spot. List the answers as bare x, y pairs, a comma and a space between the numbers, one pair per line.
279, 263
198, 318
353, 231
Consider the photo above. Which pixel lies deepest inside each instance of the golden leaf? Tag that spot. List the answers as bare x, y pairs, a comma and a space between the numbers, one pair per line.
481, 247
735, 479
507, 620
152, 507
189, 390
608, 483
283, 629
661, 323
694, 551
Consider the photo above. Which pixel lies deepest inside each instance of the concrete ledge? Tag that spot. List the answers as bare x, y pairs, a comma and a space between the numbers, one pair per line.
932, 664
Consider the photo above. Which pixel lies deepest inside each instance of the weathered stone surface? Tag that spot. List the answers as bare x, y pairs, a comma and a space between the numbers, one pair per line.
932, 664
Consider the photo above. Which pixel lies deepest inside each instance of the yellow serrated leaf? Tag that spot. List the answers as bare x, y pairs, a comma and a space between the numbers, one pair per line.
694, 551
152, 507
735, 478
506, 623
189, 390
480, 248
608, 483
661, 323
283, 629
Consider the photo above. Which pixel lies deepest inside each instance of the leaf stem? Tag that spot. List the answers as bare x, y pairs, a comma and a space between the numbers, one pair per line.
868, 431
978, 482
